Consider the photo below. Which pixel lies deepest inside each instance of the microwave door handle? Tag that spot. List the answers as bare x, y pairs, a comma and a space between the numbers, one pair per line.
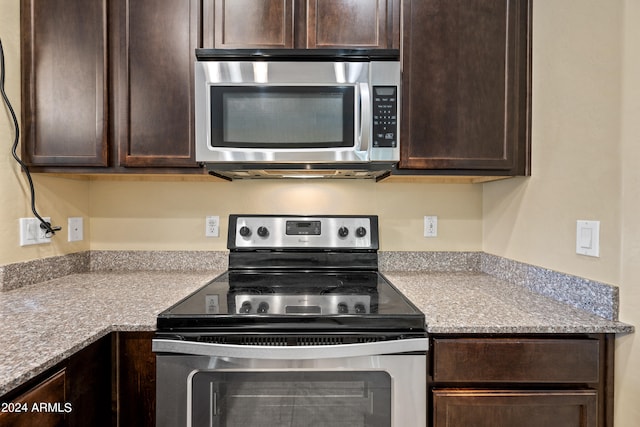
290, 353
365, 116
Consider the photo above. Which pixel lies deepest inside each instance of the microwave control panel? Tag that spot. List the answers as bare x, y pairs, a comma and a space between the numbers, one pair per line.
385, 116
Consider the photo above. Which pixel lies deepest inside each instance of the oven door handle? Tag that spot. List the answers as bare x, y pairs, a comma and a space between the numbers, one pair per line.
291, 353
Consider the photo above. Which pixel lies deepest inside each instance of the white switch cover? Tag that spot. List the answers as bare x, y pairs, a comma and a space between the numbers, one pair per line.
75, 229
588, 238
212, 226
430, 226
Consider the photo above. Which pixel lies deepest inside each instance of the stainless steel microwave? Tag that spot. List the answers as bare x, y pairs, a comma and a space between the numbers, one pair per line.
283, 113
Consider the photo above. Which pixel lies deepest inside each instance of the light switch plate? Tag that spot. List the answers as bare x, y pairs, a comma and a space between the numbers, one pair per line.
588, 238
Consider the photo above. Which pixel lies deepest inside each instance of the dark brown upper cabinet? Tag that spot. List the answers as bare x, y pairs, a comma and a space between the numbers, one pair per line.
302, 24
154, 44
64, 82
249, 24
108, 85
369, 24
466, 86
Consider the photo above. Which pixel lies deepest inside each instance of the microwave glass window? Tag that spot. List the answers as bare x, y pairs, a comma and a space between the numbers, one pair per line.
282, 117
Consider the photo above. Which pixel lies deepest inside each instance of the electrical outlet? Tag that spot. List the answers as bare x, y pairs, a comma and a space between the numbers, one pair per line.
31, 233
212, 226
75, 229
430, 226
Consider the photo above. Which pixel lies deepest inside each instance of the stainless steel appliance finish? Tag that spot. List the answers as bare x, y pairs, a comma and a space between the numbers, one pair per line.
301, 331
405, 406
275, 113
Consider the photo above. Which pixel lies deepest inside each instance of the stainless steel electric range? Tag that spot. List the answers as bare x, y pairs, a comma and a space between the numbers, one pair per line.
302, 330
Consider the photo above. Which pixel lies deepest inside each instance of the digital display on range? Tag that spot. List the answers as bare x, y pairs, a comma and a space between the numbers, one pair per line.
303, 228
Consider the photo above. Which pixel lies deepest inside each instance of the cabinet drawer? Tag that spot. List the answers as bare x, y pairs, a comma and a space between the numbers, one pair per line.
516, 360
530, 408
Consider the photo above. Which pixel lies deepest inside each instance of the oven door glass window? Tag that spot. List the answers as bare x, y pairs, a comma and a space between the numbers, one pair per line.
282, 116
293, 398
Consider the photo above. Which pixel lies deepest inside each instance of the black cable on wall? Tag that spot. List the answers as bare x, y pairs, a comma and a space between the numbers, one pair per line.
45, 225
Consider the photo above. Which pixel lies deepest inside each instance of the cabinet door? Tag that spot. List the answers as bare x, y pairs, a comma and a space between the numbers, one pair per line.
136, 379
353, 23
20, 411
64, 82
155, 43
250, 24
487, 408
466, 85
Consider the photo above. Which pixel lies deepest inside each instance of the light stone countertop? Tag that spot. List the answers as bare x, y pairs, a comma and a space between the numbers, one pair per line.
42, 324
477, 303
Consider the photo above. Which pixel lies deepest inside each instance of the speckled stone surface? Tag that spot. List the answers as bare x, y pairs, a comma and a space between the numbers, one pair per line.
158, 260
40, 325
479, 303
13, 276
429, 261
594, 297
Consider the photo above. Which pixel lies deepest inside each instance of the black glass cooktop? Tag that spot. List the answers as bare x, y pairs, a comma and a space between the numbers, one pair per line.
289, 301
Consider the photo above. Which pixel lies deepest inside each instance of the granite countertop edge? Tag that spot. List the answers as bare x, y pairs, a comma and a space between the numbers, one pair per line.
450, 302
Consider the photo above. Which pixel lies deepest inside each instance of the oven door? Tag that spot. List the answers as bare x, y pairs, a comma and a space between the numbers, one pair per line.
377, 384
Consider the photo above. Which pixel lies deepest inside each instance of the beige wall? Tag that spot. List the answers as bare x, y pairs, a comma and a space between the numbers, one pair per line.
628, 348
171, 215
586, 149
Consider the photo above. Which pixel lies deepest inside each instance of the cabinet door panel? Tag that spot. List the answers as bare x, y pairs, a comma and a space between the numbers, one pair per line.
465, 85
253, 24
156, 40
353, 23
51, 390
136, 371
487, 408
64, 84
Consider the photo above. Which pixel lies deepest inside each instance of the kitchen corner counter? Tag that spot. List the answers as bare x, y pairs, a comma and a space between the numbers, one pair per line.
45, 323
478, 303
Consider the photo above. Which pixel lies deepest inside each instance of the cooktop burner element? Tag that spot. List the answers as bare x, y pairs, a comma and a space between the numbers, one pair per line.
316, 273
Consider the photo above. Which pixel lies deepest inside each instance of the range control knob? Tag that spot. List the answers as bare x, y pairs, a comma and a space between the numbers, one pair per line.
361, 232
263, 307
246, 307
245, 231
343, 231
263, 231
342, 308
360, 308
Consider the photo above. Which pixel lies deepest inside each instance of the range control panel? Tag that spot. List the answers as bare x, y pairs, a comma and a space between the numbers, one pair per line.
336, 232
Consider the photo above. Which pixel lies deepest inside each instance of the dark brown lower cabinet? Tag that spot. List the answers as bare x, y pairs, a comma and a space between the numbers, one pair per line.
24, 410
530, 408
76, 392
520, 381
111, 382
135, 379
